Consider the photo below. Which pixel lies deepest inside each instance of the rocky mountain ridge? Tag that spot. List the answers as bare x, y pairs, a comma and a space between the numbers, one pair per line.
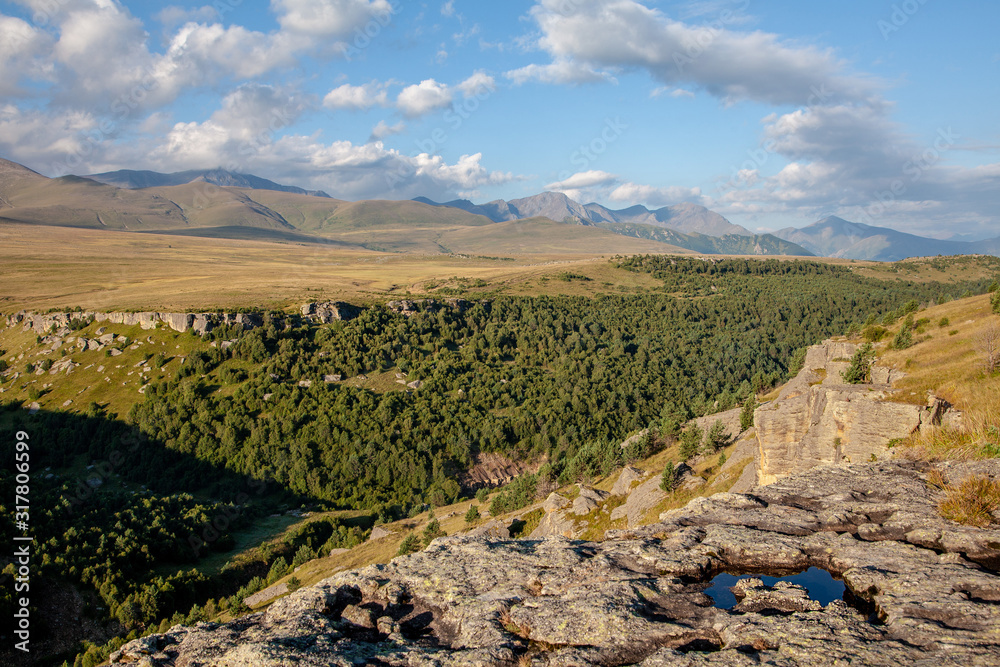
921, 590
684, 217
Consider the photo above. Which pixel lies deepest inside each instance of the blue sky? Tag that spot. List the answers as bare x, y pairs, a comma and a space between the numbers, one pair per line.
772, 113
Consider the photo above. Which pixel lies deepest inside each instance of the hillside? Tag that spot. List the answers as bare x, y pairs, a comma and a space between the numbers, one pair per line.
730, 244
881, 529
301, 416
836, 237
131, 180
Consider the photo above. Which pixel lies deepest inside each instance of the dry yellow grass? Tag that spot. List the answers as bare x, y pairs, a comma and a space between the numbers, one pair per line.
59, 267
972, 501
947, 364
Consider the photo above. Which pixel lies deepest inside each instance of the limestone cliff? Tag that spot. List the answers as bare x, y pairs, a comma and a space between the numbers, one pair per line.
818, 419
920, 590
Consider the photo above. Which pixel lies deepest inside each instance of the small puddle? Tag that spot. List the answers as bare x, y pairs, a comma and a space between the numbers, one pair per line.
820, 584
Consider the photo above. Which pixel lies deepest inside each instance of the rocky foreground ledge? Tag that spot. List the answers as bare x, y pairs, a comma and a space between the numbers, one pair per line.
920, 591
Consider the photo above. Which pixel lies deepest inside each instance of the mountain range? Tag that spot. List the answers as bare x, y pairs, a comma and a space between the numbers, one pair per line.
684, 217
836, 237
247, 206
135, 180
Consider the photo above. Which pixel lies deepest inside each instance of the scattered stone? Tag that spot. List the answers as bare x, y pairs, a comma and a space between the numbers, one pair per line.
379, 532
629, 475
266, 595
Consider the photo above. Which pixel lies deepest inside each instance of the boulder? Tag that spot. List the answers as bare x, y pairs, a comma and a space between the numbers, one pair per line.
494, 529
379, 532
588, 500
629, 475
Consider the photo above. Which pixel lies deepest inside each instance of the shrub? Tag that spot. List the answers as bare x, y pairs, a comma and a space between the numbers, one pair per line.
690, 441
746, 414
860, 370
409, 545
472, 515
944, 322
874, 333
482, 495
431, 531
904, 337
669, 477
717, 437
972, 502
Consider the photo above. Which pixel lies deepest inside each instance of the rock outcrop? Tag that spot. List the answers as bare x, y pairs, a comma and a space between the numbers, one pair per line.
201, 323
329, 311
818, 419
921, 590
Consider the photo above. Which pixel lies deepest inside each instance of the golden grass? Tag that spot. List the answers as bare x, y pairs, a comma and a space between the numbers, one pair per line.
948, 365
60, 267
972, 501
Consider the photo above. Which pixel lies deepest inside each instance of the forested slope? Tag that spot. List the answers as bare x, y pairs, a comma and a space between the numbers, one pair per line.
241, 429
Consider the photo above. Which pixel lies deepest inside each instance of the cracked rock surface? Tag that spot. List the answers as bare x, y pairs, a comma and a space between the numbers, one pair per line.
920, 591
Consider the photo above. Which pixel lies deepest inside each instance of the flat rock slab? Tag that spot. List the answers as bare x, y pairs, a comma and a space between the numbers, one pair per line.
923, 591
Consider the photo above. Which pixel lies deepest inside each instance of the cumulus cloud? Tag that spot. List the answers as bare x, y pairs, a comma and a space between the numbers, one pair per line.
656, 197
477, 84
583, 179
383, 130
24, 52
357, 97
328, 18
591, 39
423, 98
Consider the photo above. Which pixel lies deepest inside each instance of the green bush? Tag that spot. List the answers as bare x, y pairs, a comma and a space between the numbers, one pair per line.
746, 414
690, 441
717, 437
669, 477
409, 545
904, 337
472, 515
860, 370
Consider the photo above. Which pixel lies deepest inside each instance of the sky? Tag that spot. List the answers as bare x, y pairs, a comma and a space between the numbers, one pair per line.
771, 112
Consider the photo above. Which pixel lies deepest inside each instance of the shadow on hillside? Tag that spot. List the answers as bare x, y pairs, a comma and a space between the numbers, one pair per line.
238, 233
85, 472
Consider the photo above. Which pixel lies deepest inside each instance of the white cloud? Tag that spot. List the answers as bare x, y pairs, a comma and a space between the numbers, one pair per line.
561, 71
478, 84
357, 97
649, 195
383, 130
591, 39
329, 18
583, 179
448, 8
173, 16
24, 51
423, 98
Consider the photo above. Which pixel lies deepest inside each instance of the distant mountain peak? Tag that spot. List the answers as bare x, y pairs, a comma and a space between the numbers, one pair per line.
130, 179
